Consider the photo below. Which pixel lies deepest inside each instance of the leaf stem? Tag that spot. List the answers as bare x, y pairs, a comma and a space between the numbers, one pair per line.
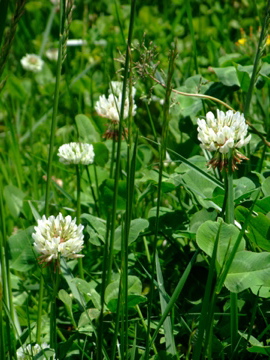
229, 217
51, 150
78, 176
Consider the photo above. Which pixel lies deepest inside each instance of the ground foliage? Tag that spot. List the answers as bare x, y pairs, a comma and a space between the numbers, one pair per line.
190, 258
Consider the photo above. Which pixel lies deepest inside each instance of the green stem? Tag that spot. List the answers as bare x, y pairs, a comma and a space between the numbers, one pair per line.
256, 64
5, 292
131, 164
151, 122
118, 155
229, 217
102, 292
113, 156
39, 314
47, 31
51, 149
54, 122
233, 322
97, 189
145, 327
207, 313
78, 176
174, 297
229, 214
162, 156
53, 313
92, 190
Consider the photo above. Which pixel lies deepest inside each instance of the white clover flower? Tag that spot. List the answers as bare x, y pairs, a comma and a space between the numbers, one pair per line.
76, 42
117, 88
226, 131
110, 107
32, 62
222, 133
52, 54
28, 352
76, 153
57, 236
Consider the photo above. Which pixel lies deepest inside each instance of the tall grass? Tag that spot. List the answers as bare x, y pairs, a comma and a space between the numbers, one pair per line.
157, 280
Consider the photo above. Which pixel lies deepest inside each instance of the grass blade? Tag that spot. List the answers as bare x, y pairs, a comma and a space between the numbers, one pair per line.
168, 329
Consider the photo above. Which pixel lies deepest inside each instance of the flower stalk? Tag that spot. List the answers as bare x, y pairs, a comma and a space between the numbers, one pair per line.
78, 176
229, 218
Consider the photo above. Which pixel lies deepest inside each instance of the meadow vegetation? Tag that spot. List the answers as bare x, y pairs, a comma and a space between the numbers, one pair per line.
134, 183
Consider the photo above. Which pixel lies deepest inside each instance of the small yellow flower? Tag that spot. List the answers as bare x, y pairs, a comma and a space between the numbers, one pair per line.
241, 41
268, 40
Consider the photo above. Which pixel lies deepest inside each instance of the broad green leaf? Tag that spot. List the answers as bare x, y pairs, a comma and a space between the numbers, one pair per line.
257, 346
66, 299
266, 186
85, 322
244, 75
198, 164
262, 291
14, 199
136, 227
132, 300
248, 269
101, 154
227, 75
258, 229
265, 69
68, 276
243, 187
265, 350
87, 289
94, 236
162, 211
134, 293
206, 236
262, 205
201, 187
22, 255
86, 129
201, 217
96, 228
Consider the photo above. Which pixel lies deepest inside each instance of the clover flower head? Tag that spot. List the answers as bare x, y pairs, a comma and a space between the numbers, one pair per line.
52, 54
76, 153
110, 107
32, 62
29, 351
117, 88
57, 236
221, 133
76, 42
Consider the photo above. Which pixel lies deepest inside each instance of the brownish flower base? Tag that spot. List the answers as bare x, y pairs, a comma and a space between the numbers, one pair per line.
221, 161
